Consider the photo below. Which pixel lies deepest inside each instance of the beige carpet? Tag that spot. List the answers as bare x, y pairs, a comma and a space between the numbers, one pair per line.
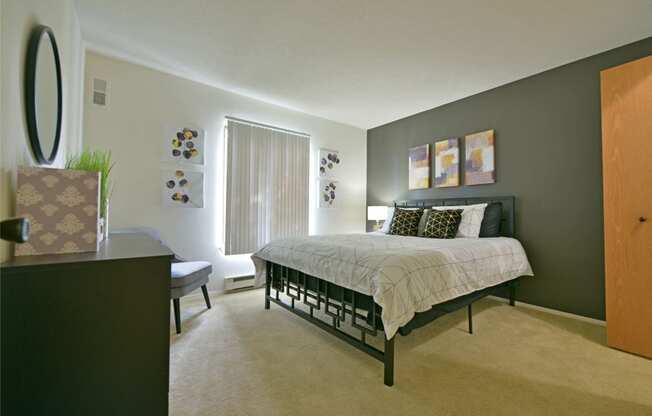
239, 359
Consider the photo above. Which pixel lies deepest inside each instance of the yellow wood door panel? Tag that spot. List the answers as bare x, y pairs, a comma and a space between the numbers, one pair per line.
627, 185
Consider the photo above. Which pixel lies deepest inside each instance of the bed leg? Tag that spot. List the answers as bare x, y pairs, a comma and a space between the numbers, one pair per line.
389, 361
512, 294
470, 317
268, 283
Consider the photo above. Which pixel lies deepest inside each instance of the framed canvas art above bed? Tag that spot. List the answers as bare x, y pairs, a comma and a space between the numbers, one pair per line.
447, 163
480, 161
419, 167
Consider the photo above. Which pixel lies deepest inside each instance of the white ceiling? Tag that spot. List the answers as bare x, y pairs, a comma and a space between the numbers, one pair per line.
360, 62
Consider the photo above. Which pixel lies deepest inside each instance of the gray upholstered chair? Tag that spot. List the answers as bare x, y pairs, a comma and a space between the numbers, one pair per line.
186, 275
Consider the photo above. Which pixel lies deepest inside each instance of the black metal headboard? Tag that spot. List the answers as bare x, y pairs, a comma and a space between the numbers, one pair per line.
508, 220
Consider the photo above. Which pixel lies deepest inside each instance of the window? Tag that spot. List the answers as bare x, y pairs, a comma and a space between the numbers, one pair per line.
267, 185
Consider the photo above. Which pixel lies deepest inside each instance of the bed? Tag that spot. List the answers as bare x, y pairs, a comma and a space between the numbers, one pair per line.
390, 284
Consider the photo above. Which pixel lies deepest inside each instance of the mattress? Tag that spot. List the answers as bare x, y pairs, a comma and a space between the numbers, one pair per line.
404, 275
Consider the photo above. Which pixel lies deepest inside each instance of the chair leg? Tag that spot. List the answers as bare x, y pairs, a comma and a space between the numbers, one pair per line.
206, 298
177, 314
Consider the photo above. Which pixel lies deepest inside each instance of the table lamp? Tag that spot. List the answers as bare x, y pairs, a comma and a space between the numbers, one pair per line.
377, 213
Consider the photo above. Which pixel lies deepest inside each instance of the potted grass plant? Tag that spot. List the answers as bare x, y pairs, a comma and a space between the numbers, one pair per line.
97, 161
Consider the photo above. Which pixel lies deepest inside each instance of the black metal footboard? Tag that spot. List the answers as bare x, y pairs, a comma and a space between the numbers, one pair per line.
338, 302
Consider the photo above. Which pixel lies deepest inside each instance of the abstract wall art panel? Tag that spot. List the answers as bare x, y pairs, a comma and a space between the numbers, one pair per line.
182, 189
328, 163
480, 164
447, 163
327, 194
185, 145
62, 207
419, 167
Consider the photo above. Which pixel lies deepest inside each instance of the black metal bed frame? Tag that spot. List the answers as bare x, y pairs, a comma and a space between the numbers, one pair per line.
338, 302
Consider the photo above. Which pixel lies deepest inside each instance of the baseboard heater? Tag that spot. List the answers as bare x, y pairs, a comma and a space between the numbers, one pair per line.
238, 282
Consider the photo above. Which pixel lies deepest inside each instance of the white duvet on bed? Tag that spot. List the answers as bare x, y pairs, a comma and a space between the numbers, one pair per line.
404, 275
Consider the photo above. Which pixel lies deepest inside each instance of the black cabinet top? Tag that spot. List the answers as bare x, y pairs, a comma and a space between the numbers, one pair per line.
117, 247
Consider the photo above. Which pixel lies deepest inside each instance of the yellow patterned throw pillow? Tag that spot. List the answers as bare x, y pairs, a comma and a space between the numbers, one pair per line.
405, 222
443, 224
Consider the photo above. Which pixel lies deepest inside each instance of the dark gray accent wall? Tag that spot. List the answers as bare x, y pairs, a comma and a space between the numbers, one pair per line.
548, 154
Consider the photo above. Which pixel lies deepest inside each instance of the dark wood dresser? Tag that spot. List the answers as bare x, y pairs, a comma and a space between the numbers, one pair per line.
87, 334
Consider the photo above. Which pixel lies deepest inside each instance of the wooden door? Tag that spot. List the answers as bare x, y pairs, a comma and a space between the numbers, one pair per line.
627, 183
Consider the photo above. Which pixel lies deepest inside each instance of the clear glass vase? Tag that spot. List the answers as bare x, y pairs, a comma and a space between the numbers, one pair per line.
103, 226
105, 230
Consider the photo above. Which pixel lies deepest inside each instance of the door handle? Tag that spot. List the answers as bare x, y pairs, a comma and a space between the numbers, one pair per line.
642, 219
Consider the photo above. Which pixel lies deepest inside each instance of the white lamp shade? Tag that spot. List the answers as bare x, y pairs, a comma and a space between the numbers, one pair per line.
377, 213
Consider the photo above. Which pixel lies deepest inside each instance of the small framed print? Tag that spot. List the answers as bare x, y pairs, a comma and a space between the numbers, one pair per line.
327, 193
184, 145
182, 189
328, 163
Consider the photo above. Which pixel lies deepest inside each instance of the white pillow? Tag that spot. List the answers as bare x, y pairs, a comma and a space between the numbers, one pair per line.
388, 221
472, 216
422, 222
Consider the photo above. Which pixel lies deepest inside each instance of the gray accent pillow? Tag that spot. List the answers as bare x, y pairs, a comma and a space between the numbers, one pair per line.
491, 221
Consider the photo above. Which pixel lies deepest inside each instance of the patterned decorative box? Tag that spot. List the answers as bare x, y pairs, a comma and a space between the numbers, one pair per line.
62, 207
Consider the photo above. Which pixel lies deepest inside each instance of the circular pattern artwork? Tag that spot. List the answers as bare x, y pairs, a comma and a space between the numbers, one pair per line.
185, 144
329, 161
183, 189
327, 193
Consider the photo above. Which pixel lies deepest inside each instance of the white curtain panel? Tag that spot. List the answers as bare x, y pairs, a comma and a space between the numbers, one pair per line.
267, 186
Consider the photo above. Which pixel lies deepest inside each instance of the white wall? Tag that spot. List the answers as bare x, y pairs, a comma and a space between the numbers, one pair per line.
145, 103
18, 18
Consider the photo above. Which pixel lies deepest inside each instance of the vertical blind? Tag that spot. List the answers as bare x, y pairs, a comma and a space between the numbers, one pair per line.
267, 186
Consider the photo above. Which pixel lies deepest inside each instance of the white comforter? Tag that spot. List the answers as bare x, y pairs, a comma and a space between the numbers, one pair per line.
404, 275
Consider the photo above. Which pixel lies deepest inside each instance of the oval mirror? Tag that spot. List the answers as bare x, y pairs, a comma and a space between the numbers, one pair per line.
43, 94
